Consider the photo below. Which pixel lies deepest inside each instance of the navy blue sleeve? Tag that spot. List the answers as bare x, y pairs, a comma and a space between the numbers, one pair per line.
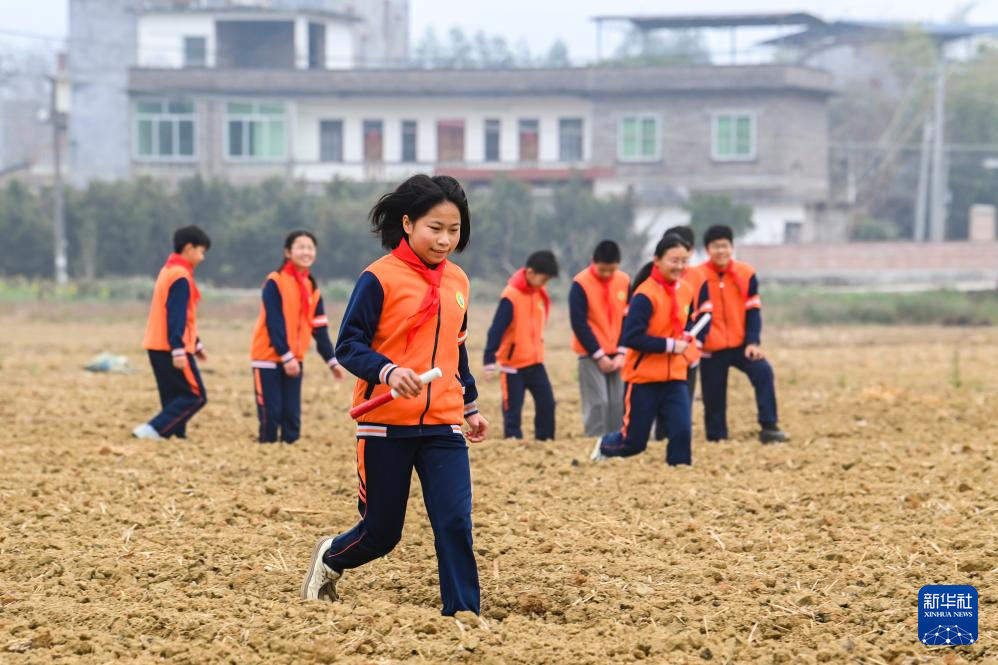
464, 370
501, 321
321, 335
753, 317
578, 312
360, 322
702, 299
635, 334
273, 307
176, 312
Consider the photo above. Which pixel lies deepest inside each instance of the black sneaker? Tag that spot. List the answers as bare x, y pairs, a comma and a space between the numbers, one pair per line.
773, 435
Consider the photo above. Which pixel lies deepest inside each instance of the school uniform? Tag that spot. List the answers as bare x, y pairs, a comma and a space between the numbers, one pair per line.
658, 316
596, 309
291, 315
515, 346
403, 314
171, 331
737, 323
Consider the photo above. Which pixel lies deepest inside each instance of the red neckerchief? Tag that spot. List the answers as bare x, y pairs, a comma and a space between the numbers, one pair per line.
670, 288
178, 260
735, 277
433, 276
605, 283
306, 298
519, 282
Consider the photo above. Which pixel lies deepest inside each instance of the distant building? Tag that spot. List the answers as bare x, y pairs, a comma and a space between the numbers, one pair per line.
270, 90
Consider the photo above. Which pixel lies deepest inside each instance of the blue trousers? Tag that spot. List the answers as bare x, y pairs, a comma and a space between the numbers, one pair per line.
181, 394
714, 378
661, 422
670, 402
384, 470
278, 404
514, 387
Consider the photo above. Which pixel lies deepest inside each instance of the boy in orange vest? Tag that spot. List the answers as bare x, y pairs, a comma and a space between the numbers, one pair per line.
734, 339
656, 336
408, 314
292, 314
515, 346
172, 340
596, 304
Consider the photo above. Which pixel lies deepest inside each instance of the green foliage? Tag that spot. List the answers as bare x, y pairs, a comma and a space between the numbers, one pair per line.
868, 229
482, 51
706, 210
125, 228
675, 47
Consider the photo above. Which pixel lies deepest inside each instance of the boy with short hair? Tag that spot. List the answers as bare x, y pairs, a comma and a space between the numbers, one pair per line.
597, 301
734, 339
172, 340
515, 346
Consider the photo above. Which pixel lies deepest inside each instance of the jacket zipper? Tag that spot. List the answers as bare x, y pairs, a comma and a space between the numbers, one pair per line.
433, 363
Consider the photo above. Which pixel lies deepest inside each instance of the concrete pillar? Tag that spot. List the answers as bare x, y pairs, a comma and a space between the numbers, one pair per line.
301, 42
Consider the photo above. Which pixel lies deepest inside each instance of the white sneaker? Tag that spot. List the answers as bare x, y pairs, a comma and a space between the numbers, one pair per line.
320, 580
146, 431
597, 454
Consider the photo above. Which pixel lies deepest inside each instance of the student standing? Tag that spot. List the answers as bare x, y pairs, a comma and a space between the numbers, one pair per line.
656, 336
735, 339
409, 313
291, 315
515, 346
171, 338
597, 301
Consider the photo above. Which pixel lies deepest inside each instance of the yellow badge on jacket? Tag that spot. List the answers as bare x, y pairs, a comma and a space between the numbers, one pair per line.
460, 300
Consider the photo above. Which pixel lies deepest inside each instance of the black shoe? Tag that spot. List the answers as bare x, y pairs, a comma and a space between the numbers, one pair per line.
773, 435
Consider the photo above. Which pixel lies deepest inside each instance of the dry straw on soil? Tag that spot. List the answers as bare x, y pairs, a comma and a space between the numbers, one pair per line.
192, 551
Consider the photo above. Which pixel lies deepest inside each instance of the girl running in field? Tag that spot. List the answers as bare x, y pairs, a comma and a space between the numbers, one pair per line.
409, 313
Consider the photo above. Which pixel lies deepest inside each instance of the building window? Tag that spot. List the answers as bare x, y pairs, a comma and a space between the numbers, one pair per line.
638, 139
195, 52
164, 130
316, 46
492, 128
374, 141
255, 131
331, 140
733, 137
450, 140
408, 140
570, 139
529, 140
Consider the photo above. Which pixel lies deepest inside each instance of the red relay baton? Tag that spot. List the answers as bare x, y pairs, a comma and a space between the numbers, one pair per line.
381, 400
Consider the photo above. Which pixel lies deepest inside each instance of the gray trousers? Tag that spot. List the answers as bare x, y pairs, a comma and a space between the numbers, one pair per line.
602, 399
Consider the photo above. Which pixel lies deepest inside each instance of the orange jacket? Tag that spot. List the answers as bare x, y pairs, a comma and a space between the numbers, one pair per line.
522, 344
606, 303
299, 321
436, 344
644, 366
157, 336
732, 293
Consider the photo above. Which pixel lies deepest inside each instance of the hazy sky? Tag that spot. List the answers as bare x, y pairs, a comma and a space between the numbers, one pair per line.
541, 22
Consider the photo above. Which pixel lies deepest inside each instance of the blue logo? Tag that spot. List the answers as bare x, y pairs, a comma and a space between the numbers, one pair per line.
947, 614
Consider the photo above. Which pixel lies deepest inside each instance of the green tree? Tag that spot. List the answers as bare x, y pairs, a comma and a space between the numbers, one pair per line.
706, 210
26, 229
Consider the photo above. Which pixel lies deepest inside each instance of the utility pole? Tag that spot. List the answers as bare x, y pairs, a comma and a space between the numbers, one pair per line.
922, 195
58, 211
940, 186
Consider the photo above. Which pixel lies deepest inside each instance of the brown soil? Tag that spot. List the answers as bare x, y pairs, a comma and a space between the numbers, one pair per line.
111, 548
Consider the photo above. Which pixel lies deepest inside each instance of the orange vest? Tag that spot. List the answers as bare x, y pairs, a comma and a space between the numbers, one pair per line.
157, 336
436, 344
297, 321
605, 323
522, 344
643, 367
727, 328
